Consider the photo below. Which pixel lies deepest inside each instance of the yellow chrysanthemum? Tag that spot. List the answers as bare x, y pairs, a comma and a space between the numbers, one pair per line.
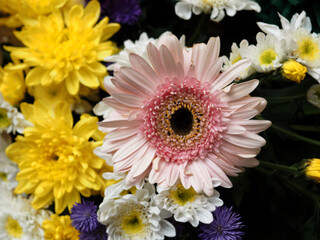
294, 71
59, 228
66, 48
312, 169
56, 161
21, 9
12, 84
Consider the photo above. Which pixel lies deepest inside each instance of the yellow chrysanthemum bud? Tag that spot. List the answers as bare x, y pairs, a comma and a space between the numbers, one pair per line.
294, 71
312, 169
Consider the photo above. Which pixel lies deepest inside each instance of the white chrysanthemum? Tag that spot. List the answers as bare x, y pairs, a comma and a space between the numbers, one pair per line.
313, 95
187, 205
18, 219
304, 45
10, 119
138, 47
115, 190
134, 216
235, 56
8, 169
267, 55
216, 8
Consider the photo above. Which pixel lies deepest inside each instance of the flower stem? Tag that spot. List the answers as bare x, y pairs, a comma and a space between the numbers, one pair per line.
279, 167
305, 128
295, 135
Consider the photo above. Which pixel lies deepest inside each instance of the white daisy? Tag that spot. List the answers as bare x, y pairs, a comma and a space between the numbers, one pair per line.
267, 55
187, 205
216, 8
138, 47
304, 45
10, 119
134, 216
235, 56
8, 169
18, 219
313, 95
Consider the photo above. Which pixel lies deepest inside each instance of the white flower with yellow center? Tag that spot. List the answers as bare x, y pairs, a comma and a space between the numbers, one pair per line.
8, 169
235, 56
18, 220
267, 55
134, 216
187, 205
216, 8
10, 119
304, 45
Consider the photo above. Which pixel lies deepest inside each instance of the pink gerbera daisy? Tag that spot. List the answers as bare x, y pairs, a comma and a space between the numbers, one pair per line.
177, 118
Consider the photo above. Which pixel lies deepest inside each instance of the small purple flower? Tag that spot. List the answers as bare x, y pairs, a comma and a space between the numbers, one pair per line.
121, 11
84, 217
226, 225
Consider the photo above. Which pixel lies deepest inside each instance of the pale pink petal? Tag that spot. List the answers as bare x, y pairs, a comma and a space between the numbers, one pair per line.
141, 66
246, 114
246, 140
120, 123
129, 147
168, 62
128, 99
239, 151
237, 91
229, 75
216, 172
254, 126
138, 80
118, 106
154, 57
212, 71
118, 134
235, 129
210, 55
174, 46
124, 87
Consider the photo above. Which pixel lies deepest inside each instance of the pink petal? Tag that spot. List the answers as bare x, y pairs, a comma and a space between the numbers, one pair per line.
154, 57
237, 91
128, 99
141, 66
239, 151
129, 147
174, 46
120, 123
246, 140
118, 134
216, 172
254, 126
246, 114
229, 75
212, 71
168, 62
117, 106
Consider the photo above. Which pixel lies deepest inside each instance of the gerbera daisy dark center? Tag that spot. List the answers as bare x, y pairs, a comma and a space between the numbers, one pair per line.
182, 121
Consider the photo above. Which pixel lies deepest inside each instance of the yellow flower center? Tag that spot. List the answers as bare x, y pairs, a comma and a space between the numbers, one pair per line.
294, 71
3, 177
132, 223
4, 120
214, 3
267, 57
181, 195
308, 49
236, 59
13, 228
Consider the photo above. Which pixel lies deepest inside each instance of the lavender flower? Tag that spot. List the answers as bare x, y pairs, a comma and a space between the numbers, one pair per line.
121, 11
226, 225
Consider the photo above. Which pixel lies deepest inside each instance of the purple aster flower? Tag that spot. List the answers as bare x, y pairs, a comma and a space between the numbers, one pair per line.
121, 11
226, 225
84, 217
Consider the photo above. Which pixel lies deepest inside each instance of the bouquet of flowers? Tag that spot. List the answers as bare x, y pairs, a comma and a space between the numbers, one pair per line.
128, 119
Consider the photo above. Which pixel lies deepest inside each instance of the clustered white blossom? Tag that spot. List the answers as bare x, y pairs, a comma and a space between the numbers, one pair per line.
18, 219
294, 41
216, 8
